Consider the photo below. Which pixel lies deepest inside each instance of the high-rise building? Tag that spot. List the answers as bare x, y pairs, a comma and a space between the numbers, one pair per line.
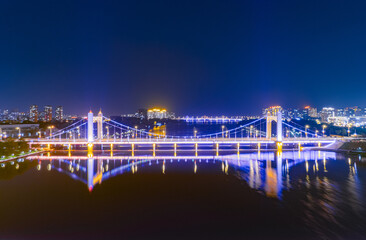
4, 115
33, 113
326, 113
310, 112
59, 113
47, 113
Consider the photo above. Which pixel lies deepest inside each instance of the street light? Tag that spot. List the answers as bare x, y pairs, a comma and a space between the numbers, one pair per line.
18, 128
306, 131
107, 132
50, 128
39, 134
324, 127
348, 131
251, 129
316, 133
195, 133
136, 132
222, 128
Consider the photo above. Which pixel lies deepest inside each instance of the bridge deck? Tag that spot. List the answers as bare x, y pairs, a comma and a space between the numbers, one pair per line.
183, 141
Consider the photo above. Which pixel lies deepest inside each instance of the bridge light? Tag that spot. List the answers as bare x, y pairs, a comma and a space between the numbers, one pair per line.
306, 130
18, 128
324, 127
50, 128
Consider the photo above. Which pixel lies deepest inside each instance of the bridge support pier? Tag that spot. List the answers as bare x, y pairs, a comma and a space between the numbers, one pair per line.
175, 149
111, 149
69, 150
217, 149
154, 148
196, 149
132, 149
279, 146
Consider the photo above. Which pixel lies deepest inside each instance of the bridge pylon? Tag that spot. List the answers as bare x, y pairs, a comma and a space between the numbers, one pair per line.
279, 126
90, 127
274, 114
100, 125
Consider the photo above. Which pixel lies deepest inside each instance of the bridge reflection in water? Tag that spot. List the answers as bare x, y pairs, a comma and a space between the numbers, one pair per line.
267, 172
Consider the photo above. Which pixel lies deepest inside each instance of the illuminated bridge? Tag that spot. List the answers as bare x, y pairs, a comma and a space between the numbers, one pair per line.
257, 133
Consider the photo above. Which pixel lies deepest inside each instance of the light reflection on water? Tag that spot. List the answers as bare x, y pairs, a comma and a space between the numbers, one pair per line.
268, 172
325, 188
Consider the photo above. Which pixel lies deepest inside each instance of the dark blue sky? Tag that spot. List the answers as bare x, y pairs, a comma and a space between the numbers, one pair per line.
212, 57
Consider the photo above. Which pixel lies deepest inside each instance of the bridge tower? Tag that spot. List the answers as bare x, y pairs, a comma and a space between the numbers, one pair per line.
90, 127
274, 114
100, 125
279, 126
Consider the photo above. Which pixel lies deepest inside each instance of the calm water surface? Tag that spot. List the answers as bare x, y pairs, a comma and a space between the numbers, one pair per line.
306, 195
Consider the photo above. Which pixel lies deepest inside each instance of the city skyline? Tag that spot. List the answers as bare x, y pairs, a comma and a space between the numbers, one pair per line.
26, 109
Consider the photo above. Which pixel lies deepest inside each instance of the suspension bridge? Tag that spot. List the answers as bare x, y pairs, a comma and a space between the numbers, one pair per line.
101, 130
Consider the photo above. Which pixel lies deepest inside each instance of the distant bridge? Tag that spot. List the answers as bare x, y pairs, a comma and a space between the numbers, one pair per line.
205, 119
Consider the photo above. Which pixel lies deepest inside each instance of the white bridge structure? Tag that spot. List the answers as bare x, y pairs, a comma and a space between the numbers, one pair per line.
100, 130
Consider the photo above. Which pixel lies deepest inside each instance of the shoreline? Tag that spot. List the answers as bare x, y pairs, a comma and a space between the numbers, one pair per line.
20, 156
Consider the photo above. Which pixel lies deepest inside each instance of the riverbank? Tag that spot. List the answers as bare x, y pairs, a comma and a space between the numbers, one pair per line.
14, 157
357, 146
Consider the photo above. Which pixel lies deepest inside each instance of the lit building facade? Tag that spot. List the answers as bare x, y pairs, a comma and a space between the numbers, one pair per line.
338, 121
159, 113
33, 113
47, 113
310, 112
59, 113
326, 113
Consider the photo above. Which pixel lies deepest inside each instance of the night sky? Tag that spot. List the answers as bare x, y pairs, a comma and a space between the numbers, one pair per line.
192, 57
